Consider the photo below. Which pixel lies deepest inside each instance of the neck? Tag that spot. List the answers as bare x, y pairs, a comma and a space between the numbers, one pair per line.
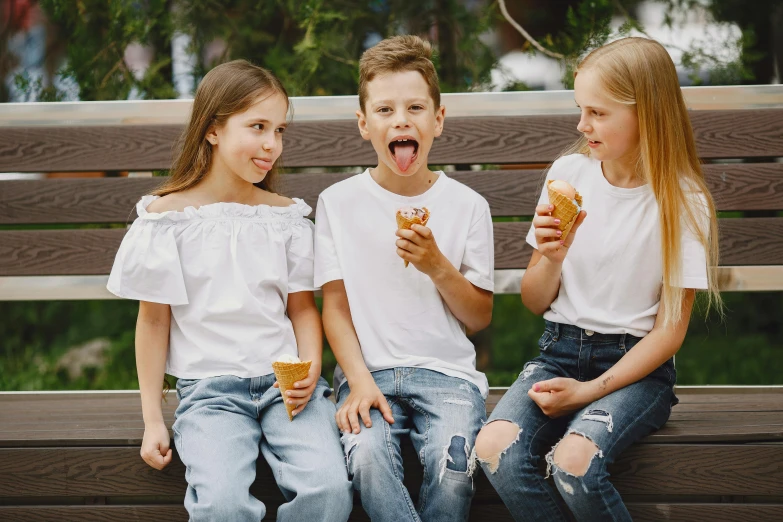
622, 172
226, 187
409, 186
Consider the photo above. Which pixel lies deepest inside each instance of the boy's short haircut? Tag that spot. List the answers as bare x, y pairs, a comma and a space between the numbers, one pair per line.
397, 54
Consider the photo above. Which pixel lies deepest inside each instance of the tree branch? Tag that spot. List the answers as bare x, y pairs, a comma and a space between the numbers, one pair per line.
525, 34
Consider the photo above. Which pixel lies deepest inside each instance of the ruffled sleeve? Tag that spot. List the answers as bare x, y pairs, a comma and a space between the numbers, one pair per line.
300, 253
147, 266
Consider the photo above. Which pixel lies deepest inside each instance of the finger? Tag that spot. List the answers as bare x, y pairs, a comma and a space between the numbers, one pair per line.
342, 420
306, 382
407, 256
548, 385
383, 407
353, 419
301, 406
364, 411
546, 221
167, 458
544, 209
298, 394
547, 233
421, 230
406, 233
275, 385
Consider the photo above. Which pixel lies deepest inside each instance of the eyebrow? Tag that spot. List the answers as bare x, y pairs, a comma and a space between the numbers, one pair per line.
422, 101
264, 121
588, 106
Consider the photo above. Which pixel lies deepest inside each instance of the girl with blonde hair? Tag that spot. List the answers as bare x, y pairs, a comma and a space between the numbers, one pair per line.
616, 293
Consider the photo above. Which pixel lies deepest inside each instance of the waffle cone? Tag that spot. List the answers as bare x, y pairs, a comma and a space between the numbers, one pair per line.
405, 223
565, 210
287, 374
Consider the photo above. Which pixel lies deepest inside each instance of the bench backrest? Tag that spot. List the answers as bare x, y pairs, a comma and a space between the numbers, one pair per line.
739, 134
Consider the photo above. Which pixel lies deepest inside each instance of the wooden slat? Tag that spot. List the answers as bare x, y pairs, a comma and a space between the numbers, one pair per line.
508, 139
105, 419
496, 512
644, 469
752, 186
749, 241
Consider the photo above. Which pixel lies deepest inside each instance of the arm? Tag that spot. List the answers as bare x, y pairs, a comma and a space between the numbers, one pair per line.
152, 346
309, 340
561, 395
471, 305
541, 281
345, 345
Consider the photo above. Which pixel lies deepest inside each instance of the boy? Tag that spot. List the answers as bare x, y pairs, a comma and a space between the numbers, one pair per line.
405, 363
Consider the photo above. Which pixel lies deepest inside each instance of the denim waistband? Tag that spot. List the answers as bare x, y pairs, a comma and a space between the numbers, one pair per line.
570, 331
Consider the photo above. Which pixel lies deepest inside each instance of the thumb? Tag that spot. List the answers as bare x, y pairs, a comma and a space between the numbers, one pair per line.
549, 385
167, 457
579, 220
385, 410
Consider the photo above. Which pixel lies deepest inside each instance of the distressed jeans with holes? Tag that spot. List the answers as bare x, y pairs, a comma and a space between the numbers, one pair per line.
442, 415
612, 423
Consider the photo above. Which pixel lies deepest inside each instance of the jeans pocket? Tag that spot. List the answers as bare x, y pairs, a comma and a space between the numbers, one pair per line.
185, 386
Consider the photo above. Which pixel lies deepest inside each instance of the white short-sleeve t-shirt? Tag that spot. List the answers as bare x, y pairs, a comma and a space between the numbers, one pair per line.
226, 269
400, 318
612, 276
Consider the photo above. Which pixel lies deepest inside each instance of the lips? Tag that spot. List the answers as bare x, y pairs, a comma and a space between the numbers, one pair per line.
263, 164
404, 150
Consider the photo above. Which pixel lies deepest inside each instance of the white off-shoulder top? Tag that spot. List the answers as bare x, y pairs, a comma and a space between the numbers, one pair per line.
226, 269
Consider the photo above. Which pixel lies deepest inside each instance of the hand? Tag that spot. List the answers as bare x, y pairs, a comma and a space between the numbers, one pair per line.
155, 448
364, 395
303, 390
548, 235
418, 247
559, 396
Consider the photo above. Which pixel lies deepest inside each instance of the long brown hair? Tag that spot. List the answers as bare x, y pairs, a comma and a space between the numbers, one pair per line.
227, 89
639, 72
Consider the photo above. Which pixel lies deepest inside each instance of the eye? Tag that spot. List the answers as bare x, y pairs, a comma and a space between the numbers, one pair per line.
596, 113
258, 126
384, 109
417, 107
280, 130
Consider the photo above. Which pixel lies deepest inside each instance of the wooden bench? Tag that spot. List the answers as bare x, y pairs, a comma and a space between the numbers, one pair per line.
74, 455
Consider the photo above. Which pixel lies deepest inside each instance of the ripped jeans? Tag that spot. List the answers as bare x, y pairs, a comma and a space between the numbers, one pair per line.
612, 423
442, 415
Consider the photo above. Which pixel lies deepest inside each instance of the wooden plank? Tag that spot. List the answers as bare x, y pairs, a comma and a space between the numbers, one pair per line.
503, 139
497, 512
513, 192
748, 241
644, 469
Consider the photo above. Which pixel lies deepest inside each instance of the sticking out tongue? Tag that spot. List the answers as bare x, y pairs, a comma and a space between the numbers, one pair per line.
403, 154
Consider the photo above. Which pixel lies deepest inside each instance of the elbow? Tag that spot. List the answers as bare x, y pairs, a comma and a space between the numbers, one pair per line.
533, 306
482, 319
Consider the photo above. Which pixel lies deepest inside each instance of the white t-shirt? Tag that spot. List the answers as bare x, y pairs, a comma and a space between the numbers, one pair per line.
226, 269
400, 318
613, 273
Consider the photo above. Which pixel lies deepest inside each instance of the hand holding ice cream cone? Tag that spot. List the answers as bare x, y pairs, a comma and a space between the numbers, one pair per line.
409, 216
289, 370
556, 223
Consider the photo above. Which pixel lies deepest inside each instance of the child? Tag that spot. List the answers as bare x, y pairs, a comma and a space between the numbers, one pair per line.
616, 294
223, 269
399, 333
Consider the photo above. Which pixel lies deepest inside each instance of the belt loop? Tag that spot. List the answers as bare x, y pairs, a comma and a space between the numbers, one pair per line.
557, 331
622, 341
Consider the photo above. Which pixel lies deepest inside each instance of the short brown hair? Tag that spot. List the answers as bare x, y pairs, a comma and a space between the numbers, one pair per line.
397, 54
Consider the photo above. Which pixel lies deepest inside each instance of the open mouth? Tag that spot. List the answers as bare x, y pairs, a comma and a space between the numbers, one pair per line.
404, 150
593, 143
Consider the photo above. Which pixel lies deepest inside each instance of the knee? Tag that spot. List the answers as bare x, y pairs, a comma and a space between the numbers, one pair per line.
574, 454
493, 440
362, 449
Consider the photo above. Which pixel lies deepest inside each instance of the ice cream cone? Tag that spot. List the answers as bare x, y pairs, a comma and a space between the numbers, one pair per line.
405, 223
565, 210
287, 374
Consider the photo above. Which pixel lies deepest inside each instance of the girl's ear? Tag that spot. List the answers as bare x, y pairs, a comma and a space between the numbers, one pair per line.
212, 136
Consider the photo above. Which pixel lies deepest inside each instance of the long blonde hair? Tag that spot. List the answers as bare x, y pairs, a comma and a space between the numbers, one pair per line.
227, 89
639, 72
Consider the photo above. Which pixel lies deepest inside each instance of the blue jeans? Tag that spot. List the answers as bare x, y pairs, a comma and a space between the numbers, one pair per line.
612, 423
221, 423
442, 415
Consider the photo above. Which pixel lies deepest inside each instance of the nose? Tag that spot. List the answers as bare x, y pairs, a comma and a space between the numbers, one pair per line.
400, 119
583, 126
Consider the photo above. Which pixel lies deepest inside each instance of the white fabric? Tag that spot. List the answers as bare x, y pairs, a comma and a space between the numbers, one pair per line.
226, 269
399, 316
613, 273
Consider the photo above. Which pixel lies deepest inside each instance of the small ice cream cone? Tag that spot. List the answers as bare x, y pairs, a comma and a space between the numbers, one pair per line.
406, 222
287, 374
565, 209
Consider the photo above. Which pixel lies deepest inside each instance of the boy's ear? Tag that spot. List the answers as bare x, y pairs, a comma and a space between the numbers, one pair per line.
363, 124
440, 115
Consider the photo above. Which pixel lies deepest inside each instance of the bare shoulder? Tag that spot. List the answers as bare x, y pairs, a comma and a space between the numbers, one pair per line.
175, 201
276, 200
